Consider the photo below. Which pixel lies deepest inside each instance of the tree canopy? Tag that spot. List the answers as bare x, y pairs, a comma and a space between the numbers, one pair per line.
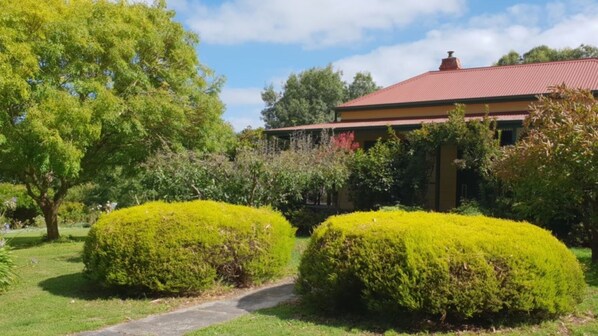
546, 54
554, 168
87, 86
311, 96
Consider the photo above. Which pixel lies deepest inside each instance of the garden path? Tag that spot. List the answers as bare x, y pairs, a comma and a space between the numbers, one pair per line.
185, 320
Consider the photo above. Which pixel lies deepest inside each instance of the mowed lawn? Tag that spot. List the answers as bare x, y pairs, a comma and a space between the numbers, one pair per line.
52, 297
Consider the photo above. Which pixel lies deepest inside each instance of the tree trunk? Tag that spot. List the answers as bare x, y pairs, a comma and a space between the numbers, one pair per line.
38, 188
51, 217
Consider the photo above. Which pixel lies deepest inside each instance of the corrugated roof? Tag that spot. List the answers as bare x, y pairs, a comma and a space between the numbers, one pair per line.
407, 122
486, 82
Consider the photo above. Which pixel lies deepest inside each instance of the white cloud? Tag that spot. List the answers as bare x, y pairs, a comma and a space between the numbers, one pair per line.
243, 107
308, 22
242, 96
479, 42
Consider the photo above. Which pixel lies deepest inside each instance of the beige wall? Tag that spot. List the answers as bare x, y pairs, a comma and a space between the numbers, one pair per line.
431, 111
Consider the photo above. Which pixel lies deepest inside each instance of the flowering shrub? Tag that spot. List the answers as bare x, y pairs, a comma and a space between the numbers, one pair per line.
345, 141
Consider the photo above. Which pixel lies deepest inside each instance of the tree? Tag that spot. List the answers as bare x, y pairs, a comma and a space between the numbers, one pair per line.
311, 96
88, 86
546, 54
307, 98
555, 165
362, 84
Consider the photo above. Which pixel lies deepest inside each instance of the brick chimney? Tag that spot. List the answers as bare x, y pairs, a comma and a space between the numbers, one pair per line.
450, 63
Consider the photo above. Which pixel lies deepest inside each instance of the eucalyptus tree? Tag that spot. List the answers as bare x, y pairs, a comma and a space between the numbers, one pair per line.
544, 53
311, 96
87, 86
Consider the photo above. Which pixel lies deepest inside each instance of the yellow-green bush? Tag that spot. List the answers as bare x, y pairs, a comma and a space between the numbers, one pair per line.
71, 213
6, 268
443, 265
187, 247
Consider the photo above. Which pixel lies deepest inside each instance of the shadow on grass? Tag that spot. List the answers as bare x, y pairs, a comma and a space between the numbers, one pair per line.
77, 286
23, 242
409, 324
590, 270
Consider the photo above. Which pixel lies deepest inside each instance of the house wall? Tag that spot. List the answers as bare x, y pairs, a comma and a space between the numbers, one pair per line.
431, 111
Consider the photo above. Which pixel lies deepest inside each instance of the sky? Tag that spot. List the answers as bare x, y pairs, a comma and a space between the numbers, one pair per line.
255, 43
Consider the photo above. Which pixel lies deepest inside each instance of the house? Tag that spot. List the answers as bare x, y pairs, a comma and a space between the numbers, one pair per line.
505, 92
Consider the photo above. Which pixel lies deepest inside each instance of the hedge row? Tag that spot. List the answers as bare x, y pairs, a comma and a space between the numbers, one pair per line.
443, 265
187, 247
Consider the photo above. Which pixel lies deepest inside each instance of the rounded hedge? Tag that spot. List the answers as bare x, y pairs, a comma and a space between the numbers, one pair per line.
445, 265
187, 247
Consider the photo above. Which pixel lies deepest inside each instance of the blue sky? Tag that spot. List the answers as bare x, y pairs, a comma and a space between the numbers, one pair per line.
253, 43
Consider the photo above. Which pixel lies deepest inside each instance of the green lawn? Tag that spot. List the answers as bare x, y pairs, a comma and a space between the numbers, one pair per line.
52, 297
295, 319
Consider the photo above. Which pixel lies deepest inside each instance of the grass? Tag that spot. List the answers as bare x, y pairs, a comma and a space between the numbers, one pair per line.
297, 319
52, 297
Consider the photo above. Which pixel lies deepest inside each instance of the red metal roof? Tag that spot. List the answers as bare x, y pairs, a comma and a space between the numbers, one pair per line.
406, 122
486, 82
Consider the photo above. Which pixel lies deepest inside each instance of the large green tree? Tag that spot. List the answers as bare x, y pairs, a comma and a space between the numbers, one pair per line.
554, 168
90, 85
546, 54
311, 96
362, 84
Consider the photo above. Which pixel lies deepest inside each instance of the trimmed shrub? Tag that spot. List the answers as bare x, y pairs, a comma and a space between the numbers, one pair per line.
444, 265
187, 247
71, 213
6, 268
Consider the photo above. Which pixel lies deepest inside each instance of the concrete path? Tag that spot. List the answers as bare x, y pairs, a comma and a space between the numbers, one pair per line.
185, 320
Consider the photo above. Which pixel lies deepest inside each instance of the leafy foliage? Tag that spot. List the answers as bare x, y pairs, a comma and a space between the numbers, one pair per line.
362, 84
24, 209
438, 265
307, 98
73, 213
546, 54
553, 171
395, 171
474, 138
262, 174
376, 175
86, 86
307, 218
7, 275
311, 96
187, 247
